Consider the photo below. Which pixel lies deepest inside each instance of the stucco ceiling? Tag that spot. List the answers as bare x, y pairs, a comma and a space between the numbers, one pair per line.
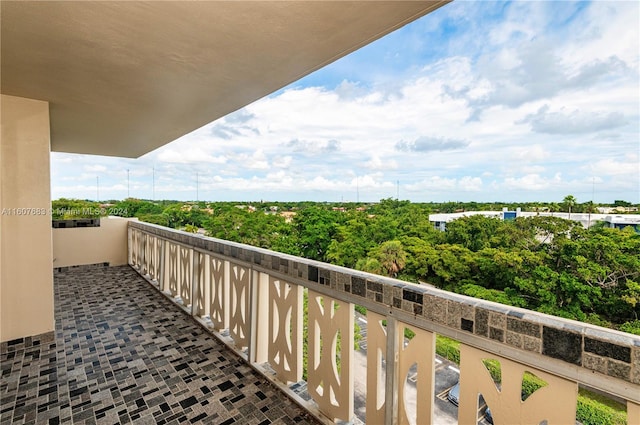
124, 78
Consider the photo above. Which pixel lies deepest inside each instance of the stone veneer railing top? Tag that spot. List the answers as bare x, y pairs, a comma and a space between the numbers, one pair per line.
602, 358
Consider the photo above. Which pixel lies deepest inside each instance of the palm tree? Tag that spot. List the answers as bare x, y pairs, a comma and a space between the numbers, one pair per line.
392, 257
569, 201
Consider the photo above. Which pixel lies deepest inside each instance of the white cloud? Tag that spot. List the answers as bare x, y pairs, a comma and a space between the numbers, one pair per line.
253, 161
470, 184
189, 155
312, 147
426, 144
532, 153
532, 182
574, 122
95, 168
517, 100
376, 163
282, 162
531, 169
443, 184
612, 167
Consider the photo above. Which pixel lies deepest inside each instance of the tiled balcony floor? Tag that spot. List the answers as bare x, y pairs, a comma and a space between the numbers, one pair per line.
124, 354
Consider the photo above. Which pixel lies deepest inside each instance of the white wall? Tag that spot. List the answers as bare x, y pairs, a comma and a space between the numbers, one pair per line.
26, 276
91, 245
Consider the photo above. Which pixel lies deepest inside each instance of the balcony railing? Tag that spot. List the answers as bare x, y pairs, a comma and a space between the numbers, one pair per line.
252, 299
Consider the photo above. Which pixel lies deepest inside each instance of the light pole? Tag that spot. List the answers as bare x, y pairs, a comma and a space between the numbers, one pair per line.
153, 183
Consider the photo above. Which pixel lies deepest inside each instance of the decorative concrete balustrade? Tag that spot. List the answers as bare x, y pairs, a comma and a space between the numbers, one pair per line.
252, 299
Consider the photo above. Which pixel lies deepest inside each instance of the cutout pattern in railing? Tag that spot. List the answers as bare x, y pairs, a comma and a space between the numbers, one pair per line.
376, 371
201, 285
330, 369
172, 266
185, 272
153, 248
419, 352
416, 360
554, 403
240, 277
219, 293
285, 329
133, 247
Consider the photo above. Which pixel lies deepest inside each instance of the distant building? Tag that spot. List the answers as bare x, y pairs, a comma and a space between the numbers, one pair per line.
614, 210
440, 220
622, 221
288, 216
587, 220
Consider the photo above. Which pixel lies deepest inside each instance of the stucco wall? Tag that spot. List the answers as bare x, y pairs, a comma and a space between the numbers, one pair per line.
91, 245
26, 277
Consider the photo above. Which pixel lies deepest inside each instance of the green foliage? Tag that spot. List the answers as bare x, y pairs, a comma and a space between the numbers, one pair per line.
449, 265
569, 202
191, 228
257, 228
179, 215
594, 409
408, 333
530, 384
369, 265
132, 207
360, 309
392, 257
504, 297
67, 209
160, 219
448, 348
474, 232
632, 327
493, 367
352, 241
315, 228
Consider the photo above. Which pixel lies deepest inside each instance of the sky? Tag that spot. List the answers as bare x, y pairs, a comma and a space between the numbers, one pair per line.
478, 101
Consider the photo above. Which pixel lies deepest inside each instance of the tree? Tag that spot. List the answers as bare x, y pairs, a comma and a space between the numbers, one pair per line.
474, 232
569, 201
351, 242
450, 265
392, 257
316, 227
369, 265
419, 253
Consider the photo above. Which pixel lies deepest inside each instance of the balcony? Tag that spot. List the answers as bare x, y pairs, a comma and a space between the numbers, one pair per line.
229, 311
144, 340
123, 354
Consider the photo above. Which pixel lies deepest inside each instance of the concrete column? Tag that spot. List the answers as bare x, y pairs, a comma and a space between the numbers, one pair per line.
26, 275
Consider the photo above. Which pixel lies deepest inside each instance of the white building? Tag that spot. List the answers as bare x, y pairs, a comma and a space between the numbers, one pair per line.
587, 220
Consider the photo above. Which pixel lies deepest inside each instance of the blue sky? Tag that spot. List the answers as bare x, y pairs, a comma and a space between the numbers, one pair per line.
478, 101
